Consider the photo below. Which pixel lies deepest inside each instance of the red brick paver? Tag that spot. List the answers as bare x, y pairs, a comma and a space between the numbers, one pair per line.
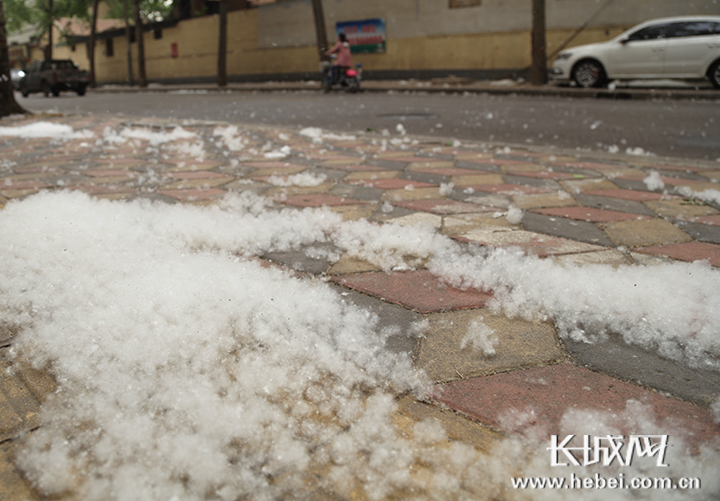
712, 220
110, 173
548, 392
418, 290
689, 251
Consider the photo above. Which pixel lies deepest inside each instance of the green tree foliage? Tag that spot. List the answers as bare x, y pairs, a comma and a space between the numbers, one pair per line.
43, 14
17, 14
150, 10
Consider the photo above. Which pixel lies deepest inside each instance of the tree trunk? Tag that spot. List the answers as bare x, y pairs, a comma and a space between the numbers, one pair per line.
142, 79
91, 43
128, 37
49, 48
320, 32
8, 105
538, 75
222, 46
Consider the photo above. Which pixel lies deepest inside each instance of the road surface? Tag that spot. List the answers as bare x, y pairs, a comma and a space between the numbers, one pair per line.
666, 128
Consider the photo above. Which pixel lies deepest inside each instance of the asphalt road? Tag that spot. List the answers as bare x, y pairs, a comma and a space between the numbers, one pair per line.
666, 128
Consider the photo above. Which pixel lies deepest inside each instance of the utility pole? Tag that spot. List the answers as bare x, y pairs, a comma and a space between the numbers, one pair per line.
222, 46
128, 38
91, 42
139, 38
538, 74
321, 33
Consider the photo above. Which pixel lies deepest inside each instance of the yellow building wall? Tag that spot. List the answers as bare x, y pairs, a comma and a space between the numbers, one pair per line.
36, 54
197, 45
78, 56
556, 38
114, 68
244, 56
60, 50
461, 52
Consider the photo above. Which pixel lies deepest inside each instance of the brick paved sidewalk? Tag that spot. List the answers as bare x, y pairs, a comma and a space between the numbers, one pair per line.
577, 208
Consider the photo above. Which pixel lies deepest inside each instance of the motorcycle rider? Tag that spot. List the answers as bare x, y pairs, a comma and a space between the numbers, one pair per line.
344, 58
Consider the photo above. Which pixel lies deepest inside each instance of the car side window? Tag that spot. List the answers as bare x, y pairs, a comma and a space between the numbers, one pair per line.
654, 32
693, 29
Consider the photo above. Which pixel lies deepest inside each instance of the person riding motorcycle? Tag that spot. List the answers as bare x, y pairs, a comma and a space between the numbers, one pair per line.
344, 58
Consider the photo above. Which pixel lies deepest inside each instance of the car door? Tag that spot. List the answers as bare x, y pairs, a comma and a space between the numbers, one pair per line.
641, 54
691, 47
33, 76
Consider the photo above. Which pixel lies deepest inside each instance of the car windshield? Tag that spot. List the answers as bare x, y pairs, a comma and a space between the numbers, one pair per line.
63, 65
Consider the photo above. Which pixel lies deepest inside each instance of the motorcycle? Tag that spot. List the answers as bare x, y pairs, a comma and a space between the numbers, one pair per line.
346, 78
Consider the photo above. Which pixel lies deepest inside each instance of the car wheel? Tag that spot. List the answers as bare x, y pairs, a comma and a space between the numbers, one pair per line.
714, 74
46, 89
81, 90
55, 92
24, 90
588, 73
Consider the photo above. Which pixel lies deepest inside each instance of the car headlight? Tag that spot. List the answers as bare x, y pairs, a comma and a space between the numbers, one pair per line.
563, 55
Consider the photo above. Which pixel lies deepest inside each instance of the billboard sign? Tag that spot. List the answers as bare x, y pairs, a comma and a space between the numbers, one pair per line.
366, 36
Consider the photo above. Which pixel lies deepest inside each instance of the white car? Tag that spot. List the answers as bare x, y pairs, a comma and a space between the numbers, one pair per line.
673, 48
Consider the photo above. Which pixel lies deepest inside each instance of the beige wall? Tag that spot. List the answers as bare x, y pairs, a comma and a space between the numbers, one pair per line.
197, 48
78, 56
197, 43
290, 23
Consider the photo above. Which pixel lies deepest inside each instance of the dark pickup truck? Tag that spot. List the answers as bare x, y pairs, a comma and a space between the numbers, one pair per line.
53, 77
